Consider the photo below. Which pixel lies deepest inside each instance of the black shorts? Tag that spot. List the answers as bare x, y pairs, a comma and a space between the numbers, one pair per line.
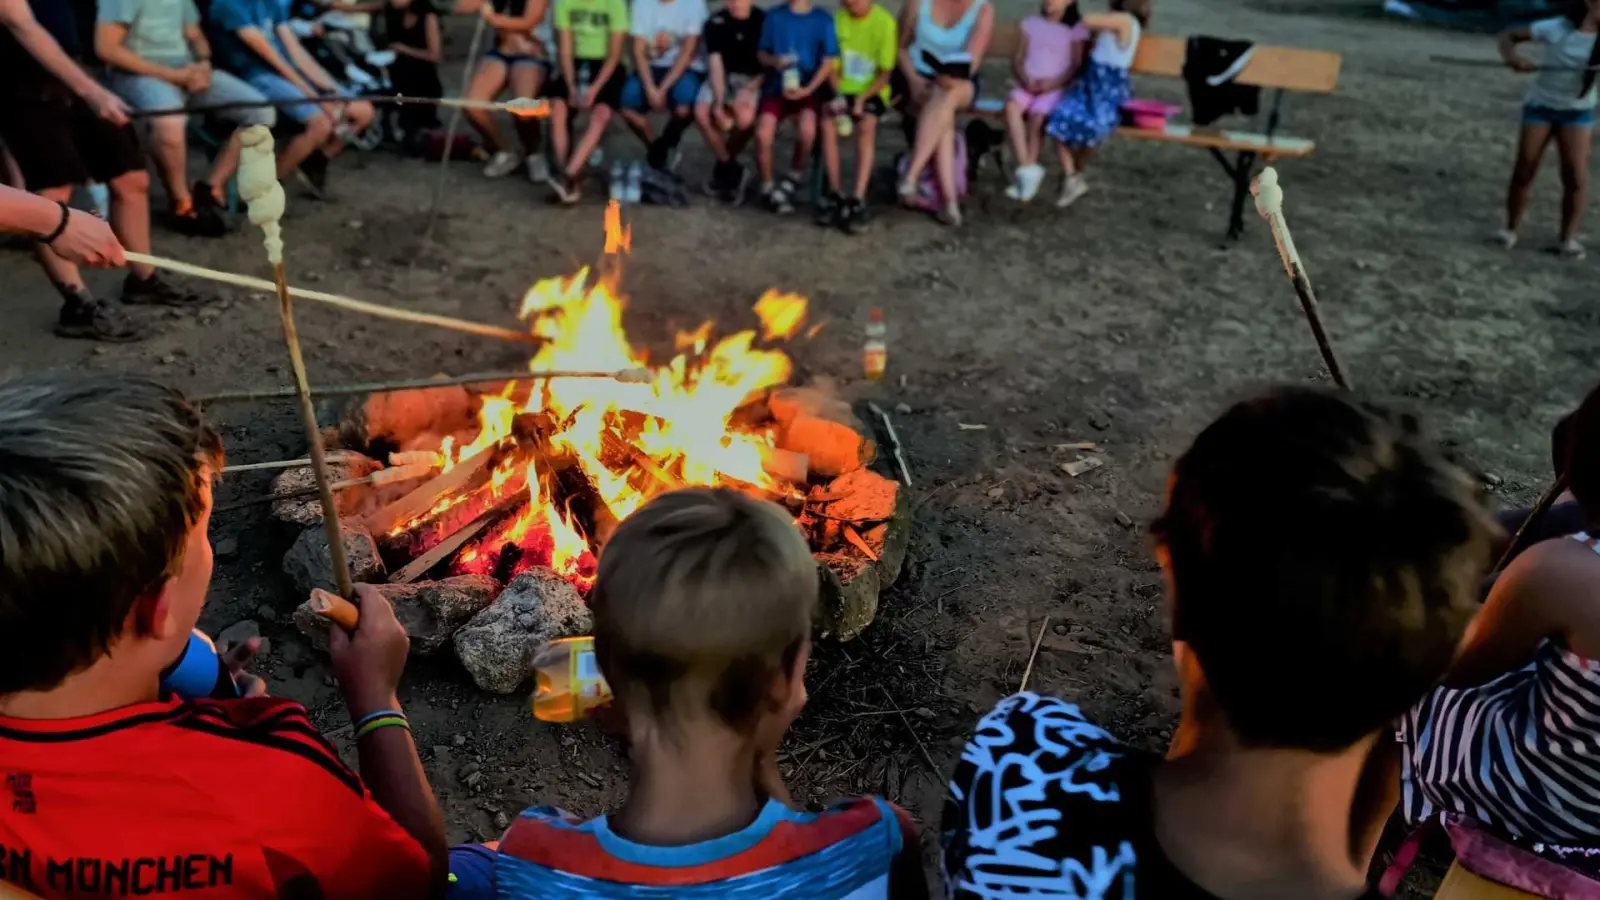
58, 141
610, 93
874, 106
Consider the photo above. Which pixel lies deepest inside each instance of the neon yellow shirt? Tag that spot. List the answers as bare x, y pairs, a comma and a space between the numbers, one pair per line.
592, 23
868, 47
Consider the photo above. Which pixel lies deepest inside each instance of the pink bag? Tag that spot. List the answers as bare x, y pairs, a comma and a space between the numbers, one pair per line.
1486, 856
928, 197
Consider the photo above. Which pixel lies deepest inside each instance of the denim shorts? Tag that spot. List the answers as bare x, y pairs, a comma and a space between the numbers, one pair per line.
144, 93
278, 89
1533, 114
681, 95
513, 60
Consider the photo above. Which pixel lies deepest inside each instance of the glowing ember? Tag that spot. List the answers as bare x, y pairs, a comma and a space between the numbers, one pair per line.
629, 440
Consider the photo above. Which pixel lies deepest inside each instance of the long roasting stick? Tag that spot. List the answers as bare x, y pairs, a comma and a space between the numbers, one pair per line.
258, 185
626, 376
339, 300
521, 107
1269, 203
450, 130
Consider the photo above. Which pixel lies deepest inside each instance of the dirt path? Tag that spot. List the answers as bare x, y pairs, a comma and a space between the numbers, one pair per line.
1121, 323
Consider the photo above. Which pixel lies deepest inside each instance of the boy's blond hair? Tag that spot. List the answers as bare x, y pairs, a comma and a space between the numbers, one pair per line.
702, 596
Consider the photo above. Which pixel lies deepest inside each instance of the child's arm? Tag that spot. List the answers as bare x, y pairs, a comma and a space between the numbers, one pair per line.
613, 60
1074, 67
569, 71
830, 61
691, 44
524, 23
641, 65
767, 50
907, 880
1508, 48
1120, 23
718, 75
304, 61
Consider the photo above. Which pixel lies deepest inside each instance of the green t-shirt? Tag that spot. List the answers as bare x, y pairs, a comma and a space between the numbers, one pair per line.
592, 23
868, 47
155, 27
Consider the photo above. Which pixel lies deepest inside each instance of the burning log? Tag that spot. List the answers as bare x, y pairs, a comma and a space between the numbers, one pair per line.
823, 428
561, 478
448, 547
426, 496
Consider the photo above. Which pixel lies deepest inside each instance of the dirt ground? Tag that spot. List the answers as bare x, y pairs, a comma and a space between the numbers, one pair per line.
1121, 322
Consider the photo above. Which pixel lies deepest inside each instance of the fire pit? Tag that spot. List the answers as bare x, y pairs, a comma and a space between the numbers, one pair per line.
486, 539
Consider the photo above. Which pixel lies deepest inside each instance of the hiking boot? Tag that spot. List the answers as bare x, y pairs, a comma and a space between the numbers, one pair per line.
313, 175
207, 205
501, 164
154, 291
98, 320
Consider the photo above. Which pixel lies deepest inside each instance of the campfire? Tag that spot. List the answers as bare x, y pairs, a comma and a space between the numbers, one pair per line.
481, 510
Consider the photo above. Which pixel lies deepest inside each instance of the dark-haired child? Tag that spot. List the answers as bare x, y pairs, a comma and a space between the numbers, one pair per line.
1559, 108
869, 45
1322, 562
702, 615
1092, 108
589, 77
799, 49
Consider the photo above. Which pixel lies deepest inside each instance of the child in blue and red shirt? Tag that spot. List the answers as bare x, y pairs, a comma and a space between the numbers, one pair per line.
702, 612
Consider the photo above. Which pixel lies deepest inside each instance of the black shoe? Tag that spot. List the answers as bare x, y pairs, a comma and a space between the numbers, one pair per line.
722, 179
777, 200
659, 156
313, 174
97, 320
206, 204
735, 196
829, 209
153, 291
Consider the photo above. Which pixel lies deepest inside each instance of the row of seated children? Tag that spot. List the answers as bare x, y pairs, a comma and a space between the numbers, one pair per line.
1323, 563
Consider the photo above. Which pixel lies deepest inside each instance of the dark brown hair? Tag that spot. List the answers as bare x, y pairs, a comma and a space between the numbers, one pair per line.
101, 481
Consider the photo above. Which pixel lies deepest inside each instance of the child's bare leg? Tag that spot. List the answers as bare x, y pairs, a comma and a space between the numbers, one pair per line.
805, 140
1035, 137
1069, 166
744, 128
1530, 150
1016, 130
710, 133
560, 131
486, 85
866, 149
639, 124
599, 118
1573, 145
944, 165
525, 82
766, 136
830, 152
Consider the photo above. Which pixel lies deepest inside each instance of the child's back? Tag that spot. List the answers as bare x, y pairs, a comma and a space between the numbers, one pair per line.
702, 610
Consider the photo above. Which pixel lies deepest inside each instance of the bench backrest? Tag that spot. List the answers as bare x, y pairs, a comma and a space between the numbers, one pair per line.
1288, 68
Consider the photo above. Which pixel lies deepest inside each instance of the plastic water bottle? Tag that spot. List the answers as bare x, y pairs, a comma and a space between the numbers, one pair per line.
618, 183
100, 199
844, 125
567, 680
875, 353
635, 190
199, 673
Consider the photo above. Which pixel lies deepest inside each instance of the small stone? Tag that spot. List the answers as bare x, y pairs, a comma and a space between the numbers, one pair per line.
365, 262
903, 409
922, 712
236, 634
1492, 480
468, 770
996, 493
226, 548
473, 780
167, 359
497, 646
309, 563
1099, 421
501, 820
312, 276
1123, 519
353, 224
458, 740
266, 613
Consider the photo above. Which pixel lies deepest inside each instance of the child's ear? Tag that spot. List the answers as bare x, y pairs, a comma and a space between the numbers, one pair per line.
794, 678
151, 615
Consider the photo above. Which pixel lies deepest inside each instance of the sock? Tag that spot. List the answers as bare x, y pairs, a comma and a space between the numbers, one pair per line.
183, 208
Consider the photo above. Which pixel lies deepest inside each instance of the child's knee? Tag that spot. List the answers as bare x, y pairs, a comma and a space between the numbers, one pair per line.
867, 128
806, 125
766, 130
744, 115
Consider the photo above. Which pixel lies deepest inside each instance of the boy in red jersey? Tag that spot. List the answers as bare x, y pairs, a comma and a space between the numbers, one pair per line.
702, 613
111, 789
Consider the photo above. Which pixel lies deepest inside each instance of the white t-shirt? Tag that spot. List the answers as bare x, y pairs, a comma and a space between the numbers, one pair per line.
1566, 48
665, 23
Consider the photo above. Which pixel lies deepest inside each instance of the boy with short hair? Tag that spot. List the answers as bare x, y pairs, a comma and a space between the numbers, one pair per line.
115, 789
726, 110
1322, 562
589, 78
869, 47
666, 54
702, 614
799, 48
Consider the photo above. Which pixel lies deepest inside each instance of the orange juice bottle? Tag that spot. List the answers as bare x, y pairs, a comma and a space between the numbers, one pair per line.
567, 683
875, 354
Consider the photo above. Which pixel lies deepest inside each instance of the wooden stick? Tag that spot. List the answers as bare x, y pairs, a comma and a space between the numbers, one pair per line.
1269, 203
450, 130
426, 495
440, 551
626, 376
1546, 500
1033, 655
382, 476
521, 107
922, 750
336, 456
339, 300
336, 609
1501, 64
258, 185
894, 442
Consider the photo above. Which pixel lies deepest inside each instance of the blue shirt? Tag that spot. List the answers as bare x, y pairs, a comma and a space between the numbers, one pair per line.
809, 37
227, 17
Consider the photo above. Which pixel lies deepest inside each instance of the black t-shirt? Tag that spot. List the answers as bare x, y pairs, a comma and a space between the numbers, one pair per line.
18, 69
736, 40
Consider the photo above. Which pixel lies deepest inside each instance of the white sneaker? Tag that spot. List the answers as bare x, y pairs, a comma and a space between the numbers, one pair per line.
500, 165
538, 168
1029, 180
1506, 238
1014, 189
1571, 249
1073, 188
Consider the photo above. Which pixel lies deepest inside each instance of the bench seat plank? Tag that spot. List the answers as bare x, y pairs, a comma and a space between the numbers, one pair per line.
1275, 147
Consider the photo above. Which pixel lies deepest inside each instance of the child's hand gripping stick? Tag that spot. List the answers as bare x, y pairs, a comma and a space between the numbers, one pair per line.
335, 608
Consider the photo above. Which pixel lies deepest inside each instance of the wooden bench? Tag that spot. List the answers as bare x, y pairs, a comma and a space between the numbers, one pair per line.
1279, 69
1459, 884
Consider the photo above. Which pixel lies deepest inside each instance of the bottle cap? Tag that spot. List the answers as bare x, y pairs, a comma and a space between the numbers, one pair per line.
875, 314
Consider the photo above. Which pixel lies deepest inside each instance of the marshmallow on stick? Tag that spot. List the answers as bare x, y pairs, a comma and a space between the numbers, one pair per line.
1269, 203
258, 185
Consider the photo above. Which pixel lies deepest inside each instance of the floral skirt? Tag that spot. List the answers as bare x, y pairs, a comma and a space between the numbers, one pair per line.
1092, 108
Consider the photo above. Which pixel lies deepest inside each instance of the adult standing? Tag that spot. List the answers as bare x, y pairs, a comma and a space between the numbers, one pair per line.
160, 59
63, 129
942, 44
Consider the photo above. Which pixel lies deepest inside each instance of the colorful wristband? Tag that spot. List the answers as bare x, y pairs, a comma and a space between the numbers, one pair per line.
378, 715
384, 722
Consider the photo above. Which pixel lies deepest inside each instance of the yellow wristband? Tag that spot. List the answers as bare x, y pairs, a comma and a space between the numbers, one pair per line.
382, 722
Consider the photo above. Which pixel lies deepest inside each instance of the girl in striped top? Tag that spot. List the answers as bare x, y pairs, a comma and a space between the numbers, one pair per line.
1513, 739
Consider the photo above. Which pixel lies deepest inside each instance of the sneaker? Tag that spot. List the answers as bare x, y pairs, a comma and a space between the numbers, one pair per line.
854, 218
154, 291
721, 179
538, 168
1571, 249
658, 157
501, 164
907, 192
777, 200
1014, 189
740, 189
829, 207
313, 175
1029, 180
1071, 189
1505, 237
950, 215
564, 190
98, 320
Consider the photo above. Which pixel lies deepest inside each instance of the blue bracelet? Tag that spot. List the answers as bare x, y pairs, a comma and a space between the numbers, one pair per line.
378, 715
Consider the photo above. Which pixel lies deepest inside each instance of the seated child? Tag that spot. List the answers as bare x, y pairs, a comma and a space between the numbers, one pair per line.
869, 47
412, 30
798, 48
1092, 108
1047, 57
702, 617
115, 789
1322, 563
518, 62
726, 109
666, 54
589, 78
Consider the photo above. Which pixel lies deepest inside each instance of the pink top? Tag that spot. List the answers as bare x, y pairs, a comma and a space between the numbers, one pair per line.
1050, 47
